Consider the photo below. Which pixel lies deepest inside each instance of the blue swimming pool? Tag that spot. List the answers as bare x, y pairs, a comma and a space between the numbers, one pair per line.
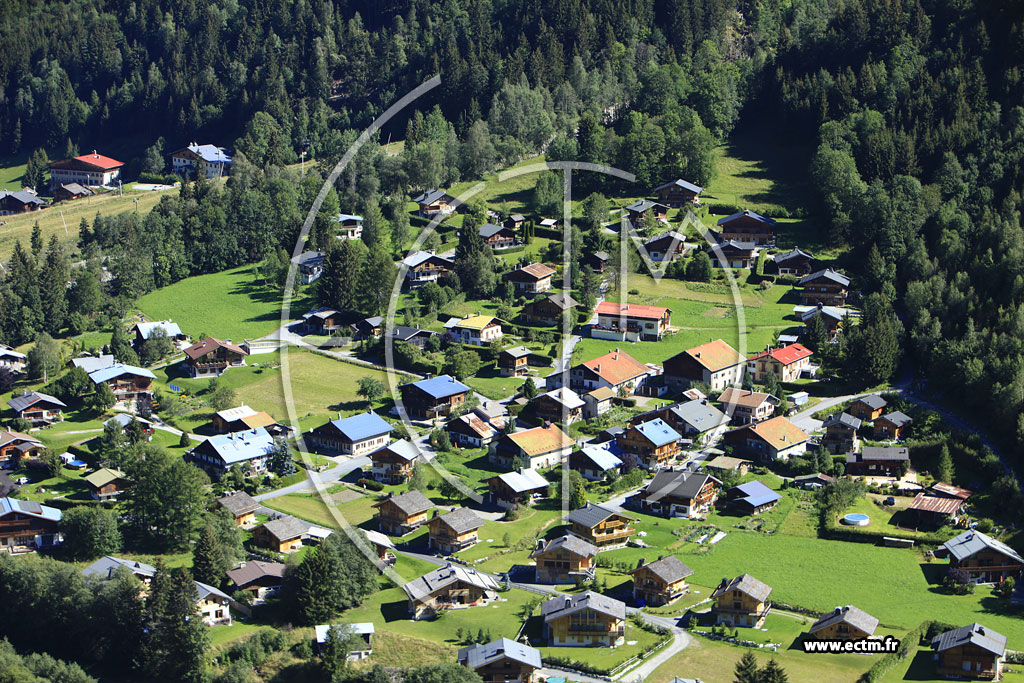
856, 519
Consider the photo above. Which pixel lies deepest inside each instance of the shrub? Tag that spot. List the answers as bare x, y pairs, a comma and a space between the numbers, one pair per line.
370, 484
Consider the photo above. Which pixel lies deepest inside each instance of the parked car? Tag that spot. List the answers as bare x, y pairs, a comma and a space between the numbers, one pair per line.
889, 501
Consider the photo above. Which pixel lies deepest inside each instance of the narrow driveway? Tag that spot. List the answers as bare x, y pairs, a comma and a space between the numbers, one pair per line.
327, 477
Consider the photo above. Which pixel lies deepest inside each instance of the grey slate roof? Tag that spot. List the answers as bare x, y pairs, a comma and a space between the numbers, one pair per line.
490, 230
563, 301
412, 502
873, 401
462, 520
678, 483
975, 634
239, 503
683, 184
789, 255
20, 403
569, 543
480, 654
286, 527
843, 419
450, 574
970, 542
749, 214
828, 274
897, 418
893, 453
404, 449
518, 351
564, 605
700, 416
254, 570
851, 615
669, 569
430, 196
107, 566
590, 515
746, 584
643, 205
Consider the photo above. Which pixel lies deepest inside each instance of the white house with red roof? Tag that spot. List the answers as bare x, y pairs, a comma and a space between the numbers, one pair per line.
631, 322
787, 363
88, 170
617, 371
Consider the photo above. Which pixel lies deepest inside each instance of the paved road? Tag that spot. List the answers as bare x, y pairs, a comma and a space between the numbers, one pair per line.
327, 477
803, 419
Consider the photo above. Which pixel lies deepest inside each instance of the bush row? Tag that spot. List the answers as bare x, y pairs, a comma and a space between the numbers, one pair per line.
908, 646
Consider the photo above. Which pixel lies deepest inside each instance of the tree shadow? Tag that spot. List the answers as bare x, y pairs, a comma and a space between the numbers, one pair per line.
395, 611
934, 573
922, 667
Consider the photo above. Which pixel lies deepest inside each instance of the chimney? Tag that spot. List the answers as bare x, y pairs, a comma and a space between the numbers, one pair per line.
435, 513
640, 563
660, 558
241, 565
540, 544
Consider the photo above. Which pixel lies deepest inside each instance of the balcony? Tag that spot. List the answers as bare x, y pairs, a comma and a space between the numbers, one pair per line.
597, 630
452, 543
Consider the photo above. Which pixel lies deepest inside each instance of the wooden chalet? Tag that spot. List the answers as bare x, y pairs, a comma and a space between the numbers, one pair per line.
594, 461
26, 526
985, 559
22, 201
677, 493
449, 587
310, 266
532, 279
515, 221
742, 601
599, 261
715, 364
250, 450
260, 579
793, 262
601, 527
721, 464
242, 507
514, 362
382, 546
831, 319
616, 370
631, 322
71, 192
475, 330
394, 463
936, 511
825, 287
651, 445
544, 446
892, 426
748, 406
548, 310
471, 431
586, 619
432, 398
510, 489
37, 408
208, 161
282, 535
878, 461
422, 267
349, 226
132, 386
106, 483
323, 321
972, 651
678, 193
144, 331
868, 407
498, 237
691, 418
453, 531
563, 406
14, 446
747, 226
844, 623
769, 441
666, 247
402, 514
502, 661
597, 402
734, 254
212, 357
751, 498
434, 202
786, 363
13, 360
368, 328
840, 433
661, 582
566, 559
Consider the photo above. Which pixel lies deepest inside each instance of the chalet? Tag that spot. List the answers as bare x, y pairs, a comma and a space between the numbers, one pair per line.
282, 535
840, 433
453, 531
630, 322
786, 363
638, 211
107, 567
599, 260
433, 203
422, 267
322, 321
825, 287
771, 440
71, 192
402, 514
586, 619
593, 461
242, 507
26, 526
891, 426
560, 405
985, 559
746, 406
868, 407
432, 398
242, 418
469, 431
597, 402
37, 408
356, 435
813, 481
651, 445
936, 511
411, 335
734, 254
666, 247
382, 545
844, 623
497, 237
394, 463
532, 279
742, 601
261, 579
747, 226
449, 587
212, 357
751, 498
793, 262
616, 370
677, 493
678, 193
971, 651
721, 464
548, 310
601, 527
89, 170
878, 461
661, 582
21, 201
106, 483
566, 559
208, 161
91, 363
310, 266
145, 330
131, 386
122, 421
515, 221
11, 359
349, 226
15, 445
476, 330
516, 488
514, 362
502, 661
831, 318
545, 446
715, 364
250, 449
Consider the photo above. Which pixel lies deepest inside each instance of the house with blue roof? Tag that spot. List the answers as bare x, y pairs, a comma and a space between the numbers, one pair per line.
594, 461
752, 498
356, 435
209, 160
132, 386
349, 226
651, 445
429, 399
27, 526
251, 449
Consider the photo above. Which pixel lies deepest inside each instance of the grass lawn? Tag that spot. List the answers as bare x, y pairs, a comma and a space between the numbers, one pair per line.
225, 635
489, 382
310, 507
511, 196
637, 640
492, 535
226, 305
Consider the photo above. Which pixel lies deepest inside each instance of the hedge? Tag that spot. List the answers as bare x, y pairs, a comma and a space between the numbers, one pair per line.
159, 178
832, 530
370, 484
908, 646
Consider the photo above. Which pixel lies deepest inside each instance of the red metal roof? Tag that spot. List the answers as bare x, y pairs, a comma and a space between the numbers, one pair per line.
103, 162
631, 310
787, 354
941, 506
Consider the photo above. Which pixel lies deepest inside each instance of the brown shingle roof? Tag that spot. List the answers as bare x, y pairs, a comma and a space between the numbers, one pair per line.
746, 584
255, 570
616, 367
669, 569
778, 432
200, 349
411, 503
541, 440
239, 503
716, 355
